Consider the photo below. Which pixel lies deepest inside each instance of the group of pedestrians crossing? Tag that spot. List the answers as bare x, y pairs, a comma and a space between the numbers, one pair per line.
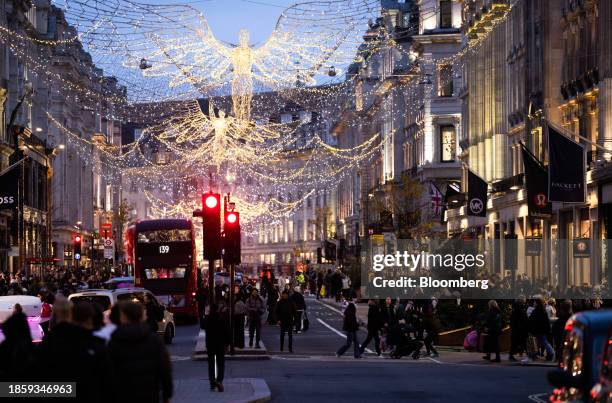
391, 324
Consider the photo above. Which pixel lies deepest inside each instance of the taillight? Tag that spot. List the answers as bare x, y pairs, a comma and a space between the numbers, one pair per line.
569, 325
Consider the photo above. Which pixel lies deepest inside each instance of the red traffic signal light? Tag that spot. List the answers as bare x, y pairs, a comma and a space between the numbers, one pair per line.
77, 238
231, 218
211, 200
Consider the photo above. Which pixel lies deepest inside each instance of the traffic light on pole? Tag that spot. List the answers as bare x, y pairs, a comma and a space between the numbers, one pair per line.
231, 238
76, 246
211, 215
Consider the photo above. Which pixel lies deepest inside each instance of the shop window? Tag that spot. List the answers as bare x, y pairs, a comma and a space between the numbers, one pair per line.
446, 14
445, 80
448, 143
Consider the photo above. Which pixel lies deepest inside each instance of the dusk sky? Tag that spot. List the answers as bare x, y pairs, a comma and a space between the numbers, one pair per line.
227, 17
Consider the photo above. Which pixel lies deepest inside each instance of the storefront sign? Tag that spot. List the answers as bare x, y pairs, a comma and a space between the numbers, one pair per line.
8, 189
582, 248
566, 170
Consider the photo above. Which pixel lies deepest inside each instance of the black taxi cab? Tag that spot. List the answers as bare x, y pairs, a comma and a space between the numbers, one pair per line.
586, 336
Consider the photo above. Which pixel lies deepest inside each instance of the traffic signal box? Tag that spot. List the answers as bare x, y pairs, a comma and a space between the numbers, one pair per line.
231, 238
76, 246
211, 215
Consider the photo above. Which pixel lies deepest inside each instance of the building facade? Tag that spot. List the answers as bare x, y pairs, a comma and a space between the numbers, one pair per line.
526, 65
67, 106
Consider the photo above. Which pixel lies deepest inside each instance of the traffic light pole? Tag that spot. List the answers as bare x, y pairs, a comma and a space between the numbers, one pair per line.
232, 269
211, 282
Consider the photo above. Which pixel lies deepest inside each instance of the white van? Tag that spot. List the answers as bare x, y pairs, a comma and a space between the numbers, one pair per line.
107, 298
31, 308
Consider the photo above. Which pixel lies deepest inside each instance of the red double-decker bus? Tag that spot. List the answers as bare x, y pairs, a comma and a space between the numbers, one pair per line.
164, 262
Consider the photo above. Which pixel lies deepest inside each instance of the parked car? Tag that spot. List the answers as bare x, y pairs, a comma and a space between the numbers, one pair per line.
32, 308
108, 298
586, 335
602, 391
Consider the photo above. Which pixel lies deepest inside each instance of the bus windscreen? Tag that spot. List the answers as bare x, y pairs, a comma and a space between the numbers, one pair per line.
164, 235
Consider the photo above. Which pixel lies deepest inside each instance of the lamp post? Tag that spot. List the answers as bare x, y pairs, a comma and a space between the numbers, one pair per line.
18, 157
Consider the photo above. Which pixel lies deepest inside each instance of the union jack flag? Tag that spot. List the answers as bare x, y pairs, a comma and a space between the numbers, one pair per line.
436, 199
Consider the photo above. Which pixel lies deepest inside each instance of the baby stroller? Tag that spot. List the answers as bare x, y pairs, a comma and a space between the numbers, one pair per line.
400, 336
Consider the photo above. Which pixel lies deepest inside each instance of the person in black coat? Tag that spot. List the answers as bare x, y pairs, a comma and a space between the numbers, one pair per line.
493, 330
558, 328
350, 325
140, 358
16, 351
539, 326
71, 353
300, 305
217, 339
374, 325
518, 328
431, 327
389, 314
285, 313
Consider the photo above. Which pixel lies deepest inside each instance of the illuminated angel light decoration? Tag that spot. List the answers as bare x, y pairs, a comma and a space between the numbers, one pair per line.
148, 47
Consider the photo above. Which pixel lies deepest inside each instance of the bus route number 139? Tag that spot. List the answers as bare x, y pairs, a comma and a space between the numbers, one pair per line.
164, 249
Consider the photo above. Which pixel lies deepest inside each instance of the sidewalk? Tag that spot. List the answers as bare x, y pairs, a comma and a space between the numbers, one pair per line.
246, 353
243, 390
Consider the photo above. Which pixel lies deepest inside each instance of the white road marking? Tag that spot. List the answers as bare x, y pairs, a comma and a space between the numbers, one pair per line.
536, 397
339, 333
179, 358
330, 307
434, 360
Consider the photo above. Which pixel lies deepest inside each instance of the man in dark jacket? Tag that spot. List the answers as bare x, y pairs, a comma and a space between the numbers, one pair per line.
141, 361
350, 325
255, 309
71, 353
374, 326
300, 305
518, 328
217, 339
285, 313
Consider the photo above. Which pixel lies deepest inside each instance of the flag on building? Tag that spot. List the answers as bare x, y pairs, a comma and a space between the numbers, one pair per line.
536, 183
436, 199
566, 169
477, 195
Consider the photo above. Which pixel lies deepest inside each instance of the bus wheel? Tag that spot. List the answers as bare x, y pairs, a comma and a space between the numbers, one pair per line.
169, 334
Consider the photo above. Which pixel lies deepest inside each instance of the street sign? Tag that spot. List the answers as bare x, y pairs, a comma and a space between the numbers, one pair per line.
106, 230
109, 248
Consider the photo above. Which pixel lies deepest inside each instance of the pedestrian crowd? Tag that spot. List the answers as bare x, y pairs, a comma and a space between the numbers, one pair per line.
124, 360
59, 281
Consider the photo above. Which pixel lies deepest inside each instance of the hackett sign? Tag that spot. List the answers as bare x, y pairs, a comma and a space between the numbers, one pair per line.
8, 189
566, 170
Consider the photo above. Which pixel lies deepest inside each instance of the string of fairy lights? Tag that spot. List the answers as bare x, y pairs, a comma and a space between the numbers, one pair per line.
222, 103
